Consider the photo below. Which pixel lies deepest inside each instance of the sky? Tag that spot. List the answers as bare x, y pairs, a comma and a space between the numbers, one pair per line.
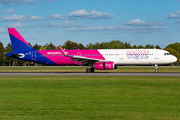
139, 22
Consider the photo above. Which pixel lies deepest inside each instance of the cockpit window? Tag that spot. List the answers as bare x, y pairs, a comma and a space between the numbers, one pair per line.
167, 53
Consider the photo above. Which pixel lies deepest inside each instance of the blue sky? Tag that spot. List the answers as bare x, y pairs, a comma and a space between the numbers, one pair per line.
139, 22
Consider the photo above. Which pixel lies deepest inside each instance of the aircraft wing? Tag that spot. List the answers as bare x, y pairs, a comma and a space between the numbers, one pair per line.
83, 60
80, 59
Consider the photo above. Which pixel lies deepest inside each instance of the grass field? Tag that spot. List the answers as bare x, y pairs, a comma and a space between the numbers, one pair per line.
100, 98
83, 69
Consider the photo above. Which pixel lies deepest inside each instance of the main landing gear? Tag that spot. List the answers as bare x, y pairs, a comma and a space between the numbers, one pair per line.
90, 70
156, 66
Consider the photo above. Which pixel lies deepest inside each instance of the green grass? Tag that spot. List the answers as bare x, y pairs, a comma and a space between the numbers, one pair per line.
83, 69
51, 98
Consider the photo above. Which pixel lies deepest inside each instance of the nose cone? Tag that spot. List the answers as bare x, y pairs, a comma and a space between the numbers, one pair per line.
173, 59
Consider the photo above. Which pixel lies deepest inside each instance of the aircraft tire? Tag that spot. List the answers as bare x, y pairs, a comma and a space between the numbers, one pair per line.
156, 71
92, 70
88, 70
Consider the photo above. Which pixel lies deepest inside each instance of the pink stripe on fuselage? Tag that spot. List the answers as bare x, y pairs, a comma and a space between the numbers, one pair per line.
58, 57
16, 34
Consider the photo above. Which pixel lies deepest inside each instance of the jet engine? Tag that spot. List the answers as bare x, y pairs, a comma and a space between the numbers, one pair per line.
105, 65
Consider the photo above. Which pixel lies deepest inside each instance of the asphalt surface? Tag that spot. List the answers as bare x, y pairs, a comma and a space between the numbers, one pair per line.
88, 74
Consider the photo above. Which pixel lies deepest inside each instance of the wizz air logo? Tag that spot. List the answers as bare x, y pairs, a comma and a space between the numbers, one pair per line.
138, 54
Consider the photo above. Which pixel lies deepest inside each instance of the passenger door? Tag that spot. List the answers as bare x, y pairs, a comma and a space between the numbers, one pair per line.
156, 54
121, 55
33, 55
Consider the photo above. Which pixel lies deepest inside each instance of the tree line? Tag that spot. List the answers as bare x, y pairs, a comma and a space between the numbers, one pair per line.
174, 49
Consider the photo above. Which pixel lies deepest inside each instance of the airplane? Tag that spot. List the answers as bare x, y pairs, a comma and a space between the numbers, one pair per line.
101, 59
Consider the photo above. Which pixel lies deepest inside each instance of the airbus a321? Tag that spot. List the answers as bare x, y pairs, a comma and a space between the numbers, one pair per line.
101, 59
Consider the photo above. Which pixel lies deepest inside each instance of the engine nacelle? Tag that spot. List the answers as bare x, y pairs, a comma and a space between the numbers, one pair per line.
105, 65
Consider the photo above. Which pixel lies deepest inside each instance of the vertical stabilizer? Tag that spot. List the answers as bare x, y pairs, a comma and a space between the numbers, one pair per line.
18, 42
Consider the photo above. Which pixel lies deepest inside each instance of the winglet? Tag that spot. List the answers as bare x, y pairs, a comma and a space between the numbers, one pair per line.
62, 50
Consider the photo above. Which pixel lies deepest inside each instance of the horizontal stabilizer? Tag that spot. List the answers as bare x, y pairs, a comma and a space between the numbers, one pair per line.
13, 54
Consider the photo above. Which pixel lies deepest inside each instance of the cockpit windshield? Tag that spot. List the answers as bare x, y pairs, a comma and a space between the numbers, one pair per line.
167, 53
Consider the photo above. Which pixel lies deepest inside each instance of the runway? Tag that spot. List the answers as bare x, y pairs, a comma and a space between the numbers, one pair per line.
89, 74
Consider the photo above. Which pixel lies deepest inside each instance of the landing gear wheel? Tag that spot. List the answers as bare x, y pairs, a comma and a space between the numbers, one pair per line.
90, 70
157, 71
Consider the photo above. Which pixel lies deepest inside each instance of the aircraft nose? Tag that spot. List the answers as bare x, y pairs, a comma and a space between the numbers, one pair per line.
173, 59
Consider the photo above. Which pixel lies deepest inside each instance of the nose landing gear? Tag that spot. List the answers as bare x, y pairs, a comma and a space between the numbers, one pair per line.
156, 66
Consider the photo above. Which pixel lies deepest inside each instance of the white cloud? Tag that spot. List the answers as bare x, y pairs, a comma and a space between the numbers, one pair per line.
52, 24
20, 18
7, 11
59, 17
101, 28
138, 22
16, 25
134, 26
16, 2
72, 24
174, 15
93, 14
157, 27
65, 24
145, 26
129, 29
149, 29
35, 18
83, 14
79, 13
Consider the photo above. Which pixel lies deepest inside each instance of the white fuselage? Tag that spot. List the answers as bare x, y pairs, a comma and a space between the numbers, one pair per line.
138, 56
